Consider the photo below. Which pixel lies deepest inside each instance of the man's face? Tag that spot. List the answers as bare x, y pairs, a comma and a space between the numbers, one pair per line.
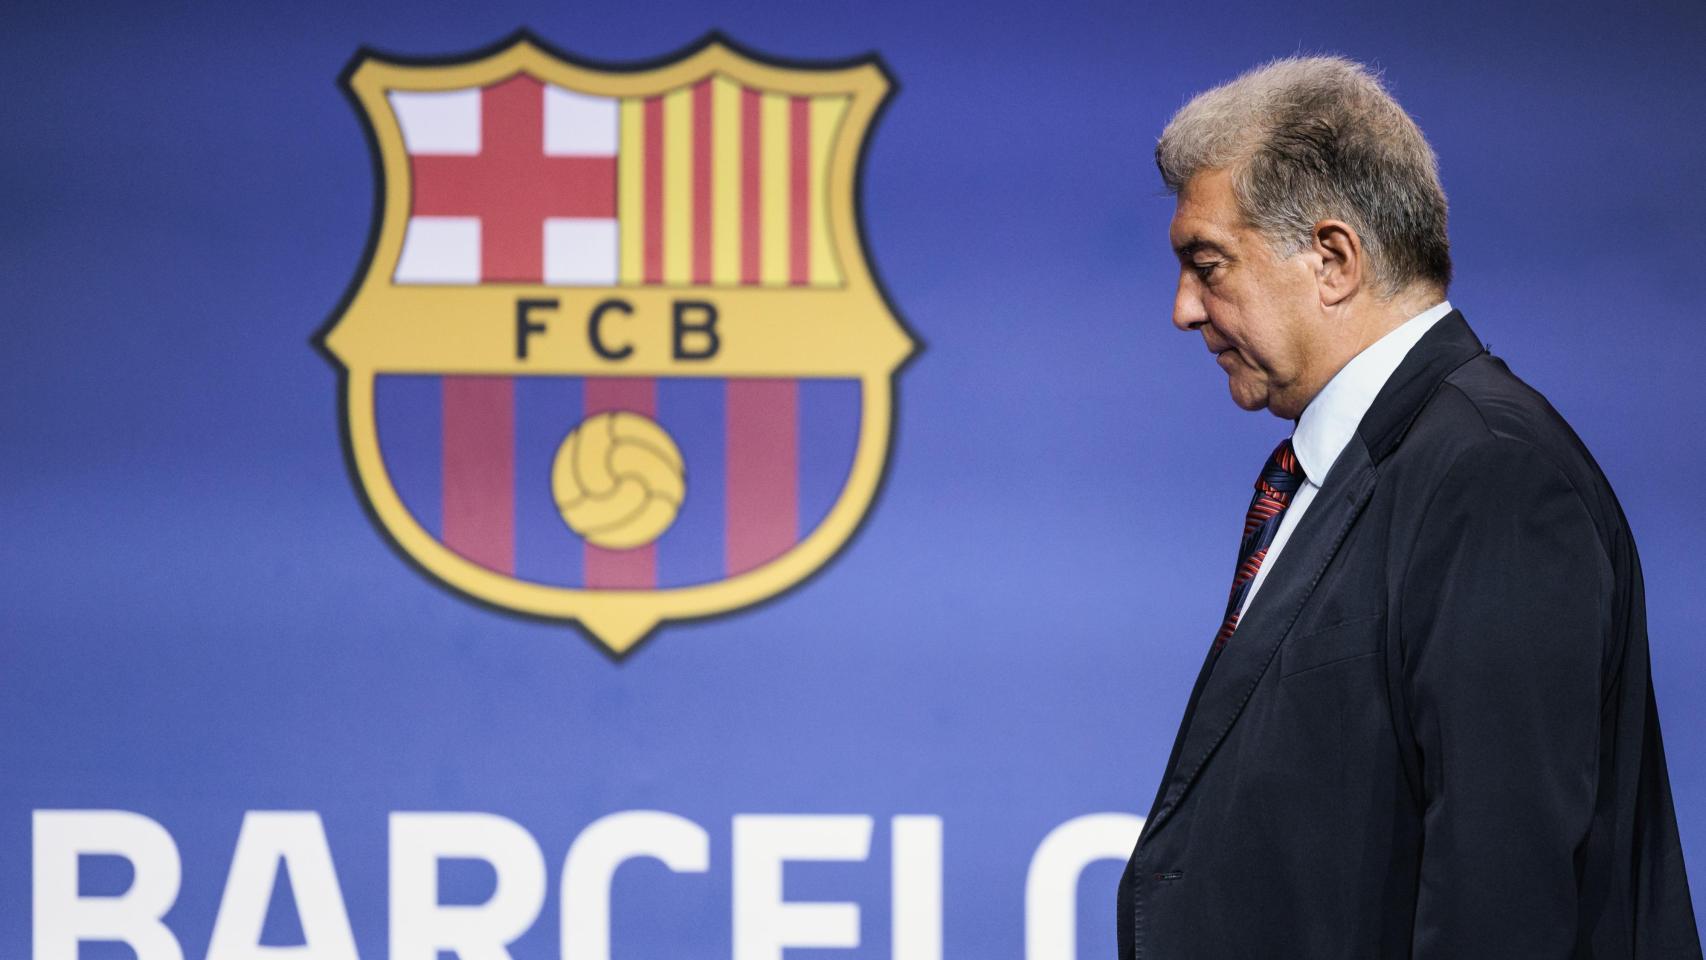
1258, 314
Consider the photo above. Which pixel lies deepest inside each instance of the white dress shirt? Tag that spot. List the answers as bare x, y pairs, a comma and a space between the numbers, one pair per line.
1330, 421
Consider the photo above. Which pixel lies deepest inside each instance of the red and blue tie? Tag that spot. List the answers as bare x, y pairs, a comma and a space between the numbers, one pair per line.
1281, 476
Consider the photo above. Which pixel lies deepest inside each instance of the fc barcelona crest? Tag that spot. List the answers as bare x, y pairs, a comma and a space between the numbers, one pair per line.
616, 355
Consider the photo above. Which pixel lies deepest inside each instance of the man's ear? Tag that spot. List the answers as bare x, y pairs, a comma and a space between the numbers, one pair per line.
1343, 261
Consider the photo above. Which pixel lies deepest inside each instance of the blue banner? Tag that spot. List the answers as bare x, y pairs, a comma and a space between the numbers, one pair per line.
929, 510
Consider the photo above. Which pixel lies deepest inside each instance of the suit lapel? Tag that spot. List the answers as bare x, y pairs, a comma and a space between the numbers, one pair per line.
1225, 683
1229, 679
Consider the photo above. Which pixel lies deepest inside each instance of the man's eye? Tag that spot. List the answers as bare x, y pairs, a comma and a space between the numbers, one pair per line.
1204, 270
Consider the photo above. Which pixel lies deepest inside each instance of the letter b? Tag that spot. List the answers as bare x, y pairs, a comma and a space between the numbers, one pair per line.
62, 918
703, 330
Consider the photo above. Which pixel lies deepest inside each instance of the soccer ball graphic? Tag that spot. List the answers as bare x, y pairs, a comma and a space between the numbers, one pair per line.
618, 480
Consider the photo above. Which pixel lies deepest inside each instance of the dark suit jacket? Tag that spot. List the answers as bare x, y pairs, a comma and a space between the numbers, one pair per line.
1433, 734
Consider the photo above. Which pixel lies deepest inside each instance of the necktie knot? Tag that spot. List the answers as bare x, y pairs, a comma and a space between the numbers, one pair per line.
1282, 474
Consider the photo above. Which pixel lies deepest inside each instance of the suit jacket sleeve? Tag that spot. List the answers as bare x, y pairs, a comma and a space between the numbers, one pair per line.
1504, 613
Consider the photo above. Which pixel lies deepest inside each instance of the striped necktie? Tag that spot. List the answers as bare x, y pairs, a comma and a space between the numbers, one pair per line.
1281, 476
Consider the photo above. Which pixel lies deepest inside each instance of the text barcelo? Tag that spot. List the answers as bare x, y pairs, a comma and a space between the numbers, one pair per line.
764, 923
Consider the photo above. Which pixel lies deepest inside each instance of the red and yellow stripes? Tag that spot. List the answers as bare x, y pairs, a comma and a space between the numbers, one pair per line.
724, 184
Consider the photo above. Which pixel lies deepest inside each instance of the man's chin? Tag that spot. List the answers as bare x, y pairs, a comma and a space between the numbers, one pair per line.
1246, 398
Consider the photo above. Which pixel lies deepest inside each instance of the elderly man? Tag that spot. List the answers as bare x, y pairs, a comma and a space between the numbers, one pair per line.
1425, 726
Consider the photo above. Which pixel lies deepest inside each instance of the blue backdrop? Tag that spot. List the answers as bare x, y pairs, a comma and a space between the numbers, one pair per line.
199, 620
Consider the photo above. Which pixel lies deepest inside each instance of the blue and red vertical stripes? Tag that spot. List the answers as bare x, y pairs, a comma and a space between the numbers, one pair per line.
471, 458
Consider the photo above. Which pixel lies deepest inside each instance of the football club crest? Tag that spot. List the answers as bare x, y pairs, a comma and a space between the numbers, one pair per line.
616, 354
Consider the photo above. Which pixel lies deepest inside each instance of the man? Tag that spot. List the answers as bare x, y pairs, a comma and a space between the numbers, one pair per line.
1426, 726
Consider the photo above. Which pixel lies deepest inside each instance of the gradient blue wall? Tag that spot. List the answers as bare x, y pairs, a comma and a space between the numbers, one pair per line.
198, 619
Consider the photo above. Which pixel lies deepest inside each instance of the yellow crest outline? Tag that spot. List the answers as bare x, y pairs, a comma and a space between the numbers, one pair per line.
853, 333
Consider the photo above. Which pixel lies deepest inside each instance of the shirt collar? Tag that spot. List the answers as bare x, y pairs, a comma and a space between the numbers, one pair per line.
1331, 419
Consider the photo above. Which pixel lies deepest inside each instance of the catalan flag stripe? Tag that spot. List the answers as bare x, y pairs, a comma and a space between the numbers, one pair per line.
630, 192
678, 225
722, 184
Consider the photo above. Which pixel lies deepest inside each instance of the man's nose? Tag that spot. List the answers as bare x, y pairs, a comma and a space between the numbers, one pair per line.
1188, 312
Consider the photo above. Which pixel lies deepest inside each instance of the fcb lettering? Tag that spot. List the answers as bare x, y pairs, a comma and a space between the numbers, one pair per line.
617, 355
693, 328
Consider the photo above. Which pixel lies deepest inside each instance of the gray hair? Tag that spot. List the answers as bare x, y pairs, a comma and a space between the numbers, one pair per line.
1308, 139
